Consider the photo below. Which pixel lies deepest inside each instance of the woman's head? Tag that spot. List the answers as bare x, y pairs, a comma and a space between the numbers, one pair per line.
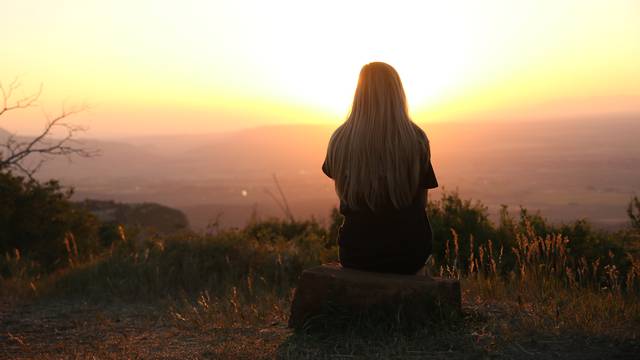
380, 91
374, 156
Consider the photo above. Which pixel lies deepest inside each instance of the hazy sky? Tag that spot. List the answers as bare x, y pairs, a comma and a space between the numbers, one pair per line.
187, 66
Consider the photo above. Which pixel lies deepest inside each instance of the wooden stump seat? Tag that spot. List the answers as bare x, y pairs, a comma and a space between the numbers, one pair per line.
360, 290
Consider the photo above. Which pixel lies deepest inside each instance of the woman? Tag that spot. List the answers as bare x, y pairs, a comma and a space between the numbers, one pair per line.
380, 161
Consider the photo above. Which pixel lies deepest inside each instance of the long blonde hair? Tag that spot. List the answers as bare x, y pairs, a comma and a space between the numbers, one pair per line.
374, 157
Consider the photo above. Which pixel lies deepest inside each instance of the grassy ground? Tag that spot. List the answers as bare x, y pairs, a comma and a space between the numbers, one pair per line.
228, 296
490, 328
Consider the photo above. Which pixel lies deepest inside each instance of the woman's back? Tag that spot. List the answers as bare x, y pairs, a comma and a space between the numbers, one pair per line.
380, 161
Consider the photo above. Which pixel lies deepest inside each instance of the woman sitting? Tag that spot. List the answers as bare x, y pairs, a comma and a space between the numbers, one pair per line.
380, 161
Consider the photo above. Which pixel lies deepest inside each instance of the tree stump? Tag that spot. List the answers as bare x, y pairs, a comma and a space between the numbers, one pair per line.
418, 296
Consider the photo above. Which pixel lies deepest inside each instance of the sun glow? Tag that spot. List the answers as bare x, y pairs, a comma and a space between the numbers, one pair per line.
319, 66
228, 64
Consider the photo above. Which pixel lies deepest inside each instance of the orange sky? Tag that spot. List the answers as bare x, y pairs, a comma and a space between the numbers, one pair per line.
150, 67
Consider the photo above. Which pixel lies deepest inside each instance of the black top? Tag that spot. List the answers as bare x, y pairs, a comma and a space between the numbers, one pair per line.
388, 240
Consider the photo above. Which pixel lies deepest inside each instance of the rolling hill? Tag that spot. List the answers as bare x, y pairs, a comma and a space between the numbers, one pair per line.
568, 169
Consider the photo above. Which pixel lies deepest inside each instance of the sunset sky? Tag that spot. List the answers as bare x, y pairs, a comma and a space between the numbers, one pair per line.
158, 67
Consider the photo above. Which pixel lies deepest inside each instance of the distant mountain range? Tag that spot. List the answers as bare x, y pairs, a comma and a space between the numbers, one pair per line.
567, 169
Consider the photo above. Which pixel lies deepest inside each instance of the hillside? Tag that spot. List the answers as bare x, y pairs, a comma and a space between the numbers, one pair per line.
148, 216
228, 295
568, 169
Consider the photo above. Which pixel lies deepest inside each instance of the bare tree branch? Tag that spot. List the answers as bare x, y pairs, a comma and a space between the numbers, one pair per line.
22, 103
14, 151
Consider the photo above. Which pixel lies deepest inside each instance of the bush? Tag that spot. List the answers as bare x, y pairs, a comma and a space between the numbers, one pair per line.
39, 221
465, 225
468, 220
189, 264
272, 230
633, 211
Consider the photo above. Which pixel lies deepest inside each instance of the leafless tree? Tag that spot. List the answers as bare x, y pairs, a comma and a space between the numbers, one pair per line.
57, 138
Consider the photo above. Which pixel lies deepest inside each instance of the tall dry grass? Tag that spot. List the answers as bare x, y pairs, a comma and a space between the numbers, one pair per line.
547, 289
244, 276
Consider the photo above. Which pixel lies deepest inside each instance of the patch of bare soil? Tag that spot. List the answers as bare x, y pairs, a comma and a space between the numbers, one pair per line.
72, 329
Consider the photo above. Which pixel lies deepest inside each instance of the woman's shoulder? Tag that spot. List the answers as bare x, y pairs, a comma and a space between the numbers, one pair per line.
421, 135
336, 133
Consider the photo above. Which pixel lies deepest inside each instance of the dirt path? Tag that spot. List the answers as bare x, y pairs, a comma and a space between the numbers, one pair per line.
66, 329
78, 330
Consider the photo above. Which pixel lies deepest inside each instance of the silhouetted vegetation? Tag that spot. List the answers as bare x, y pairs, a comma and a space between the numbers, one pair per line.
146, 220
26, 155
522, 277
468, 223
40, 224
634, 213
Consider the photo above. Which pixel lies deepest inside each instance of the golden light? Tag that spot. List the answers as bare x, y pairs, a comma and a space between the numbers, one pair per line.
226, 64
